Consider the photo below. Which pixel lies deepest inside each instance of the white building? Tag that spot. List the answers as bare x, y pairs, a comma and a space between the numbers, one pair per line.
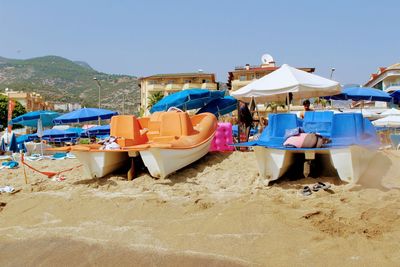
386, 79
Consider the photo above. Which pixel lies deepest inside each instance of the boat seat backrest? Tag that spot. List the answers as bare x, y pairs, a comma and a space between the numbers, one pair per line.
348, 127
318, 122
127, 128
281, 122
175, 123
144, 122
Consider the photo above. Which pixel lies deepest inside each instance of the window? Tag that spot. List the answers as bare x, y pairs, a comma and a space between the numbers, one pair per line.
258, 76
242, 78
188, 81
171, 82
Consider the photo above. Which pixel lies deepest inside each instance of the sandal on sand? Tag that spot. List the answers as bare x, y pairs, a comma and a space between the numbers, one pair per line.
320, 185
316, 187
324, 186
306, 191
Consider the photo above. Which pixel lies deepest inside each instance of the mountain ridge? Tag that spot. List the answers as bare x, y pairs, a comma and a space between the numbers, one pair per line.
62, 80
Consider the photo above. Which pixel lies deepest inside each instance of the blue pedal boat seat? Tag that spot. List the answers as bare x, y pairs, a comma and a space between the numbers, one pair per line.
318, 122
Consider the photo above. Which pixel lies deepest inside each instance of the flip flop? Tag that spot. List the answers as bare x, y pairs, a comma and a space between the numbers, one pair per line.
306, 191
316, 187
323, 186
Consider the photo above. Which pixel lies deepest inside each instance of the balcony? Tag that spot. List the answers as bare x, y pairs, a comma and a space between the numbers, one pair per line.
209, 86
236, 84
191, 85
392, 86
173, 87
155, 87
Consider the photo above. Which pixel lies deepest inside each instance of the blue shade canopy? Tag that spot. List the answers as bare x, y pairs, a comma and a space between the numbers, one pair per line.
220, 106
396, 97
97, 130
13, 146
362, 93
30, 119
85, 114
55, 133
187, 99
24, 138
77, 131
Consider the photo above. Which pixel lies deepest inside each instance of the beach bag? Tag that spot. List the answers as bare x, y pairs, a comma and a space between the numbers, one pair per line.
305, 140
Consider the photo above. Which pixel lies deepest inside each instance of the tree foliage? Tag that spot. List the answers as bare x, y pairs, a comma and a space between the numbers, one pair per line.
18, 110
154, 98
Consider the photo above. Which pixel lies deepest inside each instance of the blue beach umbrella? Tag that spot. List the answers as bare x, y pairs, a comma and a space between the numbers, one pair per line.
3, 145
97, 130
396, 96
54, 133
220, 106
30, 119
13, 146
22, 147
363, 93
85, 114
187, 99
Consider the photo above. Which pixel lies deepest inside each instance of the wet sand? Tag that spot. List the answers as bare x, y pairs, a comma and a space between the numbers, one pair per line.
215, 212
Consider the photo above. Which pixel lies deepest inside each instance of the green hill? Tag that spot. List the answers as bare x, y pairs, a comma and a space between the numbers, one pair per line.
62, 80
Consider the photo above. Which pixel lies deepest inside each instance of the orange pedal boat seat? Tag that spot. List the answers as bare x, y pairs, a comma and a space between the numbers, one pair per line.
128, 130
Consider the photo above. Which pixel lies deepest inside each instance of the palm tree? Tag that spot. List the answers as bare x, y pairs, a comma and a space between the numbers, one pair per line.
154, 98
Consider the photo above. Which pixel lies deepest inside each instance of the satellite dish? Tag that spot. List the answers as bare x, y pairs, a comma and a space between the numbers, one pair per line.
267, 59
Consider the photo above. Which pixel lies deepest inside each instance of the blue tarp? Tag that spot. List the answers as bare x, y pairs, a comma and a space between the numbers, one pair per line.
187, 99
220, 106
30, 119
362, 93
85, 114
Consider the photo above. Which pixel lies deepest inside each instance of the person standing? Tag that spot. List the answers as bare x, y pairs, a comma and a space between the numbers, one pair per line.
245, 118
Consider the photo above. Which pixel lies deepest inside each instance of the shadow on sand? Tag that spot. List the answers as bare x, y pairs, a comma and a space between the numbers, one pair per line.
373, 177
196, 168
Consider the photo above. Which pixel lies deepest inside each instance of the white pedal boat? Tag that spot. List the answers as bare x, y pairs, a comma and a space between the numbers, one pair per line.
175, 141
100, 163
350, 163
354, 143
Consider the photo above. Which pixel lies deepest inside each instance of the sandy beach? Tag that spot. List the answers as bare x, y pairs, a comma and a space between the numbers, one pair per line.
215, 212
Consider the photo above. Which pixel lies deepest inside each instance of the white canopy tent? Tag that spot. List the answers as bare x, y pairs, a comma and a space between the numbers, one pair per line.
389, 121
277, 85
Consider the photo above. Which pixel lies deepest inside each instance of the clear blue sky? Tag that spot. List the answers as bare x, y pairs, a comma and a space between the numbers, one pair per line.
148, 37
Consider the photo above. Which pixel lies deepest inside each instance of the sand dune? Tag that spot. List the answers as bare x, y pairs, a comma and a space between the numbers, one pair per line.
216, 212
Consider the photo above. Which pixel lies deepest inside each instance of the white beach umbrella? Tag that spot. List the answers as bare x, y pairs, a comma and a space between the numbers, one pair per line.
277, 85
391, 112
389, 121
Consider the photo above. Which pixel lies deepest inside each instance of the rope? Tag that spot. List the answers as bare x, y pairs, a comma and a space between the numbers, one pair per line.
48, 174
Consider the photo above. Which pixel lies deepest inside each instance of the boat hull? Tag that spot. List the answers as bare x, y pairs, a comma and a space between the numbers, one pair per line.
100, 163
349, 162
162, 161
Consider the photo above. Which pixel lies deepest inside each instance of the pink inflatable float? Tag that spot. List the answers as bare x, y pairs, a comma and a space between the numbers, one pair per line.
223, 137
